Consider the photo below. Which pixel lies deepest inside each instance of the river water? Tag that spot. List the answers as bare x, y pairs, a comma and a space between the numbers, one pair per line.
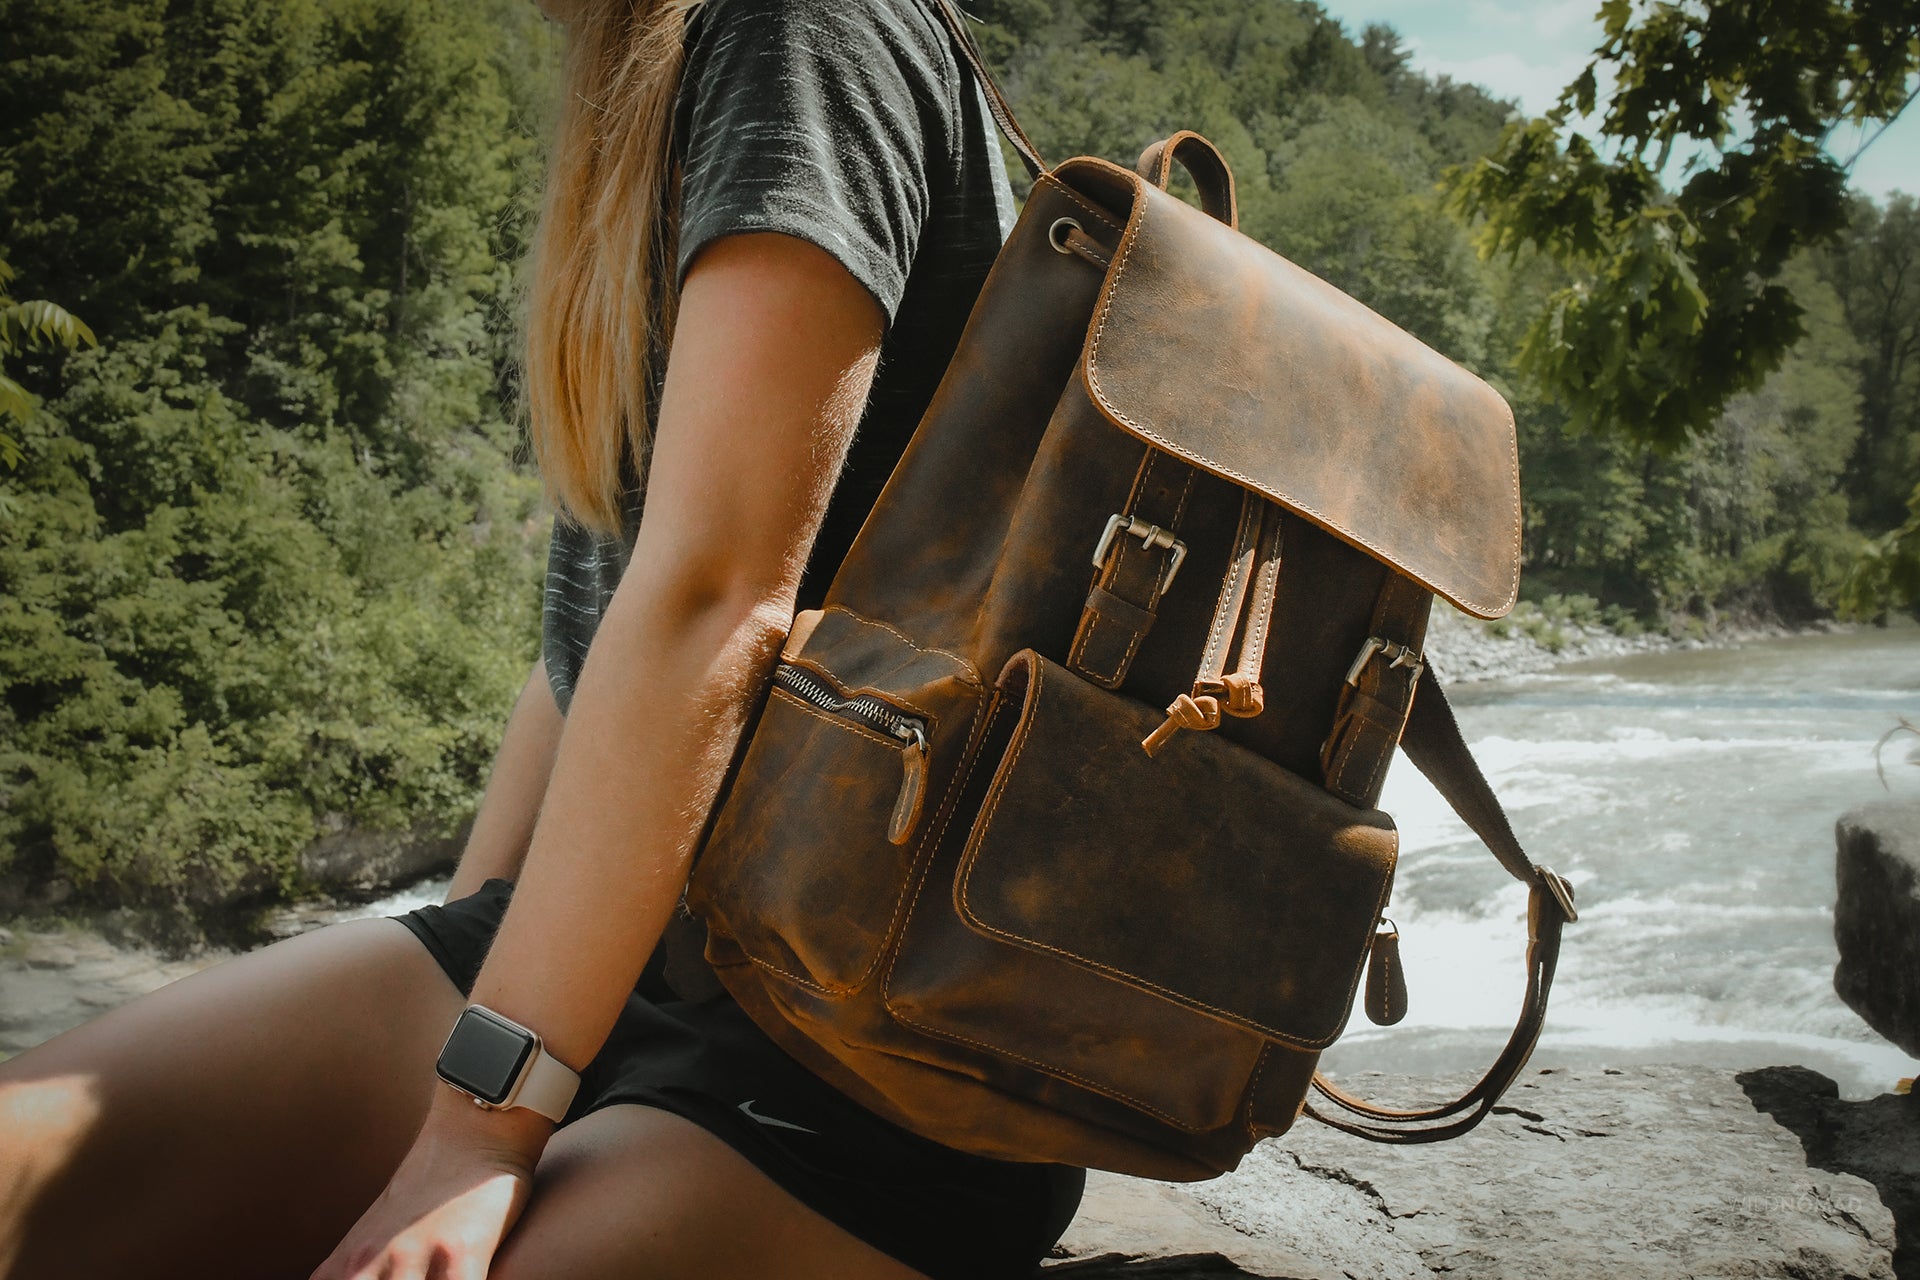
1691, 798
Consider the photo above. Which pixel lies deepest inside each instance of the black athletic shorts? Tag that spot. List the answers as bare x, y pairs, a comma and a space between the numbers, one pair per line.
947, 1214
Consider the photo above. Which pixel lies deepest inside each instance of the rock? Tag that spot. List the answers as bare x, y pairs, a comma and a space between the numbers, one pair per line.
1876, 918
1655, 1172
352, 860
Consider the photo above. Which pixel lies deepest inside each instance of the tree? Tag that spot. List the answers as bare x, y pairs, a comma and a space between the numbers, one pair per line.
1673, 303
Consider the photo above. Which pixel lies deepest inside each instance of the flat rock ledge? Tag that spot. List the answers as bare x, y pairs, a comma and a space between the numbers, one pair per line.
1655, 1172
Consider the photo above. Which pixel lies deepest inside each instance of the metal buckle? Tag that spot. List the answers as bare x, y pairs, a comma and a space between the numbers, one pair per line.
1151, 534
1562, 891
1400, 654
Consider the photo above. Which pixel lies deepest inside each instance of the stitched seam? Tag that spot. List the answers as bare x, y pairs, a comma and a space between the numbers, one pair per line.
959, 787
1227, 589
1091, 364
1055, 184
905, 639
838, 722
1086, 639
970, 859
886, 938
925, 851
1091, 618
1270, 581
1253, 1086
1091, 1086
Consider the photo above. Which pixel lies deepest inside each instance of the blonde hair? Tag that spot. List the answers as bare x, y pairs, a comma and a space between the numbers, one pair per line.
603, 288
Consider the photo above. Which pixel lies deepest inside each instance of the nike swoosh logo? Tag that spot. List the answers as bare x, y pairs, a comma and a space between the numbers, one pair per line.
746, 1109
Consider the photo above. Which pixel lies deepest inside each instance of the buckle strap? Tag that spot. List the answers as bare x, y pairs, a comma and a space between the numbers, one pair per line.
1378, 696
1138, 555
1434, 743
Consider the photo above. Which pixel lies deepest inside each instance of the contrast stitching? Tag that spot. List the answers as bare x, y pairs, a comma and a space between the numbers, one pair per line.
1091, 364
959, 788
1091, 1086
905, 639
1253, 1085
1061, 187
970, 859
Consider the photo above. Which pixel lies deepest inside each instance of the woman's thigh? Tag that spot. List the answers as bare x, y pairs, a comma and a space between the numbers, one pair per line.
634, 1193
235, 1123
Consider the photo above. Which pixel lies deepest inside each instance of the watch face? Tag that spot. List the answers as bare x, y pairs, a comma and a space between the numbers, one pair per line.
484, 1055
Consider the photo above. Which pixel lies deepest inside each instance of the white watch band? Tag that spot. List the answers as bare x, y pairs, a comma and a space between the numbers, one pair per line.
546, 1086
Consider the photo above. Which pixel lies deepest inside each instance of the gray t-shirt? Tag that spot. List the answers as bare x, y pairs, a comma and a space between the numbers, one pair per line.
854, 125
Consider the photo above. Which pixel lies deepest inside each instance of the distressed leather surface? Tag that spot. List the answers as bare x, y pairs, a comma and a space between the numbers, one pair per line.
1152, 1014
1205, 875
1217, 349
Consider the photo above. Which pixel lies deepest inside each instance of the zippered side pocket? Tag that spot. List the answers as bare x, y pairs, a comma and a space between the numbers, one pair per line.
810, 859
910, 731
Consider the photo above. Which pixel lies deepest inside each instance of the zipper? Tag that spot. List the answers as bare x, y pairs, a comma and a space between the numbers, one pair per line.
879, 716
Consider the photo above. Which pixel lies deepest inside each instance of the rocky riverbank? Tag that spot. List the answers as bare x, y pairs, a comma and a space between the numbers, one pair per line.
1647, 1174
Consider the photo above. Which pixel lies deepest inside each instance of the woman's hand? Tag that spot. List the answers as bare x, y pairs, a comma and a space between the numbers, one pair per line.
450, 1203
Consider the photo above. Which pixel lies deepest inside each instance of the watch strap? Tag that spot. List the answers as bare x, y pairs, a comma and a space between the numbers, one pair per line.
547, 1086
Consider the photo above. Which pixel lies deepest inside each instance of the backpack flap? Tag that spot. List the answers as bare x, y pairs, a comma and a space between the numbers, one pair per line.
1212, 347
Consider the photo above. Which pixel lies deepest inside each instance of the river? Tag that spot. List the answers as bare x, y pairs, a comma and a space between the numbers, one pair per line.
1691, 798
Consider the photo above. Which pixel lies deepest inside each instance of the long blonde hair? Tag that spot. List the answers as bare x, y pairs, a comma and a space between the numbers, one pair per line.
603, 290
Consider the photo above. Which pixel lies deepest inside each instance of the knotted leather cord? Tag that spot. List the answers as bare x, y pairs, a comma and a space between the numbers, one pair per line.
1252, 581
1434, 744
996, 100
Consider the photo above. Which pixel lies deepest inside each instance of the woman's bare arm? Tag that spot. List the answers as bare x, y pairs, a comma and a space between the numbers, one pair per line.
503, 828
771, 364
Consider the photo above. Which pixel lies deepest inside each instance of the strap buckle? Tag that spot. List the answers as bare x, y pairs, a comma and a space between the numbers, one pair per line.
1399, 654
1562, 891
1152, 535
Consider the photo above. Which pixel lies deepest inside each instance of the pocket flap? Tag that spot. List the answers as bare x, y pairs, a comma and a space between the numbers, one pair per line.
1207, 875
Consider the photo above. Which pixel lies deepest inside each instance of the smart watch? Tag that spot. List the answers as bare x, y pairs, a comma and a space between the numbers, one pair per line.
500, 1064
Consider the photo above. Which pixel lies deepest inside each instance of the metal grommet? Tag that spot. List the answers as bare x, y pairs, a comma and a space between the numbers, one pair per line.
1057, 233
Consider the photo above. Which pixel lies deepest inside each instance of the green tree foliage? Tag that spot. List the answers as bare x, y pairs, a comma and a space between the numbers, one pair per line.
1673, 303
267, 562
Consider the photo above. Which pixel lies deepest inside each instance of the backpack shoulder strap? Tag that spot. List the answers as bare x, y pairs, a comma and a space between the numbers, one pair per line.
1433, 742
996, 101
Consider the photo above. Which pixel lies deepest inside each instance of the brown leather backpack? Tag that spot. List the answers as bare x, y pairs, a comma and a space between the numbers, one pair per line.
1055, 839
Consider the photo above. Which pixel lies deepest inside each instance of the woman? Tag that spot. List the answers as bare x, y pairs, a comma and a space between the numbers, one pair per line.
839, 198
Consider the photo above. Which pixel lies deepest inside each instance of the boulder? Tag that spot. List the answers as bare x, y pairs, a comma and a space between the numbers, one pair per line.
354, 861
1876, 918
1655, 1172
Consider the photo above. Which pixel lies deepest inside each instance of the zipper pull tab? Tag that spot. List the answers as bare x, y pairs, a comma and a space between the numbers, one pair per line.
913, 785
1386, 983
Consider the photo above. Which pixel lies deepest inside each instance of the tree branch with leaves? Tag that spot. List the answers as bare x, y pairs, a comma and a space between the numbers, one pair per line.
1673, 303
29, 326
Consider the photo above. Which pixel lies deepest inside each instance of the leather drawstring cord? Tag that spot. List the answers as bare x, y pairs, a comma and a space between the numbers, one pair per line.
1252, 581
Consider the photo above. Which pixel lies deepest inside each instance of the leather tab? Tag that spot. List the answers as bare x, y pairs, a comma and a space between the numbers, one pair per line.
1386, 981
1378, 697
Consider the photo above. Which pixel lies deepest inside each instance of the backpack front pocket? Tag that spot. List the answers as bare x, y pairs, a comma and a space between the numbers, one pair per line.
813, 851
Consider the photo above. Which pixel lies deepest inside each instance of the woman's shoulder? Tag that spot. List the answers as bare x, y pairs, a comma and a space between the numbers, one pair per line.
908, 32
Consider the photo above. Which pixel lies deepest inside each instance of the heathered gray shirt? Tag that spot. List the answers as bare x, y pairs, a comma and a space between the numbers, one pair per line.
851, 124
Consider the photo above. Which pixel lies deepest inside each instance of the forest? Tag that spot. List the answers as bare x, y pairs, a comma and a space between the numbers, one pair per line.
270, 542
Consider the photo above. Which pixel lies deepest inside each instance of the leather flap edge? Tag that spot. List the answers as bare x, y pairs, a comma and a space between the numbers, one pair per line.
1218, 350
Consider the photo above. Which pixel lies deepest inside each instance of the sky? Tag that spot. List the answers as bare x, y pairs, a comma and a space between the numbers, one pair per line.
1528, 50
